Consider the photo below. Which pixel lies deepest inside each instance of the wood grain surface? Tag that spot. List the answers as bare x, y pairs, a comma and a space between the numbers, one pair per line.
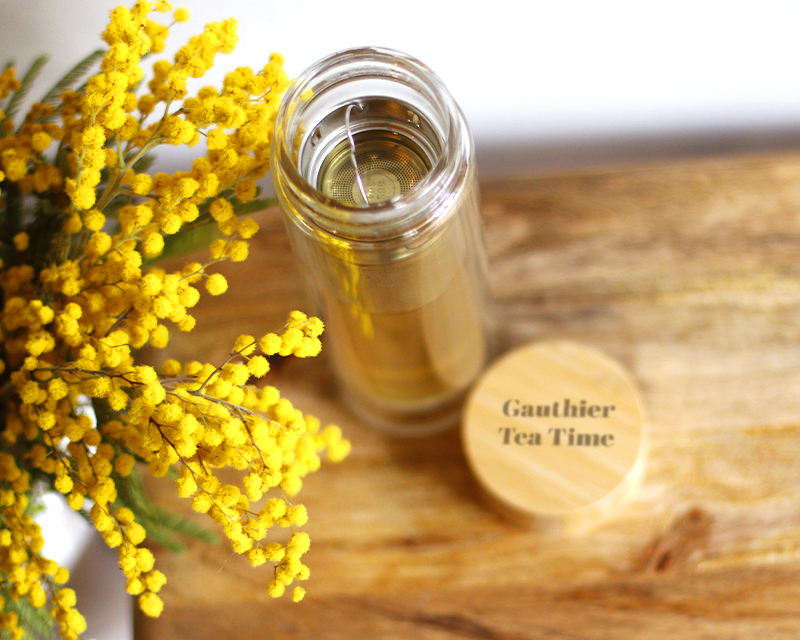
689, 275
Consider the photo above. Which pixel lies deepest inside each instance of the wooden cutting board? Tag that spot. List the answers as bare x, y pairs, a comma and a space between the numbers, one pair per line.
689, 275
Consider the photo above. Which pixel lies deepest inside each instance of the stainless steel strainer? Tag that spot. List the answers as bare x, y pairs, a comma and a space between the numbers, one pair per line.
389, 165
392, 146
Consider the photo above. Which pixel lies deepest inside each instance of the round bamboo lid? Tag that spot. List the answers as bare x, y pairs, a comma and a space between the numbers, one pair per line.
553, 431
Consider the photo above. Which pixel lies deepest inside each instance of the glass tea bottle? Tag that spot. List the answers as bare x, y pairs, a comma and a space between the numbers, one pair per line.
373, 165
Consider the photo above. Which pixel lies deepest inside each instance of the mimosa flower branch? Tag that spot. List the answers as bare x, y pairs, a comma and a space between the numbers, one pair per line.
82, 226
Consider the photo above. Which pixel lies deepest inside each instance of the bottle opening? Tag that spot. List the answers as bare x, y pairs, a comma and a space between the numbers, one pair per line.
370, 146
369, 152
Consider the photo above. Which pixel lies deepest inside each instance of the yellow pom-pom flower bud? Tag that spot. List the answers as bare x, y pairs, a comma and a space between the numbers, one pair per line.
61, 576
93, 220
123, 464
270, 344
21, 241
98, 244
221, 210
238, 251
155, 580
142, 184
73, 224
258, 366
248, 228
216, 284
218, 248
159, 337
64, 484
153, 245
40, 141
145, 560
245, 345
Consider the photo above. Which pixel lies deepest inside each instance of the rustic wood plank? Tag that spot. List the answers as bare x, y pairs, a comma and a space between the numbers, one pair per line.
687, 274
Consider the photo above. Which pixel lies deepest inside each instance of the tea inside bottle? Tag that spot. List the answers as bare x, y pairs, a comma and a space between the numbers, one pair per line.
406, 328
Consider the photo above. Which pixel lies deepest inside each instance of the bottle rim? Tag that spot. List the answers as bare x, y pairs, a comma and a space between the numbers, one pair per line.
418, 207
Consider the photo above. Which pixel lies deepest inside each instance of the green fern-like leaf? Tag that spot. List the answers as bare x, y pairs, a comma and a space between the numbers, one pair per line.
258, 204
161, 525
74, 75
144, 163
11, 220
186, 241
202, 231
26, 84
163, 531
36, 623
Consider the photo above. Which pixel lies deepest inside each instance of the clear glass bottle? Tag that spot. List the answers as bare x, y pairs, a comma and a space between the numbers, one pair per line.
373, 165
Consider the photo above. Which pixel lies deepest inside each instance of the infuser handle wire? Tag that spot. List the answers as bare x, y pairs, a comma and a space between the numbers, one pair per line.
352, 142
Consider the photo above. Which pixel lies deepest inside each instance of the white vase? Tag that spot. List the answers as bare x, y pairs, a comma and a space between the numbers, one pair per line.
94, 570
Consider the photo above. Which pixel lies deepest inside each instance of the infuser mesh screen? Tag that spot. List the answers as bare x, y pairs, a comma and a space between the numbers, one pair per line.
341, 186
389, 166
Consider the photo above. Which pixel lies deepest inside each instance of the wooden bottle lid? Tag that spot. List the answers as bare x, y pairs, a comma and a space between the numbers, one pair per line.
553, 431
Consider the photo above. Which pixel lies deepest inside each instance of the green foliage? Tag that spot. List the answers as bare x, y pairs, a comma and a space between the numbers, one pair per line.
161, 525
18, 97
72, 77
35, 622
143, 164
201, 232
43, 220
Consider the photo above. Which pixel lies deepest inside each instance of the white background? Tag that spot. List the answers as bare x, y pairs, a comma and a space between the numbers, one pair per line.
546, 86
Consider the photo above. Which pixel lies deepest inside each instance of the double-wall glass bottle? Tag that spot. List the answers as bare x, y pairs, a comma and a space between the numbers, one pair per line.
373, 165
